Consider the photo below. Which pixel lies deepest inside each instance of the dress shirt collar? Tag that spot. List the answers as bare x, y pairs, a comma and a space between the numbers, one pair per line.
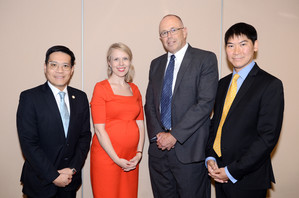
179, 55
56, 90
245, 71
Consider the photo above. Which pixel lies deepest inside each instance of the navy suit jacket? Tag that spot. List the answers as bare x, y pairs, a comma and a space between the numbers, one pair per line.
192, 102
43, 142
251, 129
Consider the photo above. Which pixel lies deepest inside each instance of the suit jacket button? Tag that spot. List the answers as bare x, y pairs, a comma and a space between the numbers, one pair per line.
66, 158
67, 144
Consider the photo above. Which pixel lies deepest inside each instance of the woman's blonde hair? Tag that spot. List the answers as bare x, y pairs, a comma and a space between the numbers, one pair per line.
130, 75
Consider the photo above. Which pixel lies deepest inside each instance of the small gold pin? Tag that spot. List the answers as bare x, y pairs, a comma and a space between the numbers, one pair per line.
73, 97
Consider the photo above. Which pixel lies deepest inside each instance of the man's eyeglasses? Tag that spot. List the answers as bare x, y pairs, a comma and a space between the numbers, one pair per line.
54, 66
172, 31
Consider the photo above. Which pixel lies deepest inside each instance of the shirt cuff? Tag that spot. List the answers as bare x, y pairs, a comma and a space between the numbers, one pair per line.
230, 177
209, 158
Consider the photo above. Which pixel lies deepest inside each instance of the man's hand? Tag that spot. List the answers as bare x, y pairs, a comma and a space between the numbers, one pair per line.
67, 171
212, 166
219, 175
165, 141
63, 180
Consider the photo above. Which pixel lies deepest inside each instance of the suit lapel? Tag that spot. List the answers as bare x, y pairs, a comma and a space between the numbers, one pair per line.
73, 109
161, 71
221, 95
159, 78
183, 68
53, 108
244, 88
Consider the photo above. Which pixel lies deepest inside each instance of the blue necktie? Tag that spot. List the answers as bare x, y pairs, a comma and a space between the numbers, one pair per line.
65, 116
166, 96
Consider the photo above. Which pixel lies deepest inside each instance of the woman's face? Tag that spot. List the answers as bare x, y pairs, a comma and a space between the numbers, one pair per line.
119, 62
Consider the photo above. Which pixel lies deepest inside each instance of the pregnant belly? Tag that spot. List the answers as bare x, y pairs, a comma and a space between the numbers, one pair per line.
123, 134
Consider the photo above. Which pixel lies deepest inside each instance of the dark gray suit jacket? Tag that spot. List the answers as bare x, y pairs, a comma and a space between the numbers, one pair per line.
43, 142
251, 129
192, 103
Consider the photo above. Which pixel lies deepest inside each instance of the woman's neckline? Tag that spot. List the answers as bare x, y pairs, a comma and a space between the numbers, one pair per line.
118, 94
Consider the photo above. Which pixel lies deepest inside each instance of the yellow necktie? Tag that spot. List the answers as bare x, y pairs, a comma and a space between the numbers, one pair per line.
230, 96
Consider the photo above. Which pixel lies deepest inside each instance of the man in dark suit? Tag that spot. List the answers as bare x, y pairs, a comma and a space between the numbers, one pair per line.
177, 114
54, 132
243, 136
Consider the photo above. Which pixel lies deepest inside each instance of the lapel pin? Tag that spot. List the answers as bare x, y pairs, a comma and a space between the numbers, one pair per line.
73, 97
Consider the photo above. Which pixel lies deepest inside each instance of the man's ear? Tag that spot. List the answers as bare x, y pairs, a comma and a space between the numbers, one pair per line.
256, 46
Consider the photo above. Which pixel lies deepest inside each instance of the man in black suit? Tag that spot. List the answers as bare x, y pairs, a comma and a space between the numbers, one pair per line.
241, 143
54, 132
177, 114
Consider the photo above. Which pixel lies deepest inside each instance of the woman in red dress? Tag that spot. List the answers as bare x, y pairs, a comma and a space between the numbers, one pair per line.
117, 113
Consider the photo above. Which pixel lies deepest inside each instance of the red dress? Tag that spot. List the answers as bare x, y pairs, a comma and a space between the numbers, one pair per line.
119, 114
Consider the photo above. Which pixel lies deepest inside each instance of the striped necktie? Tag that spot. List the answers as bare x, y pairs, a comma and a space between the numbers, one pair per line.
166, 95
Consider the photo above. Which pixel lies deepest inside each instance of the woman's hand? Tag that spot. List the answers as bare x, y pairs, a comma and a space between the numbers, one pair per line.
135, 160
129, 165
125, 164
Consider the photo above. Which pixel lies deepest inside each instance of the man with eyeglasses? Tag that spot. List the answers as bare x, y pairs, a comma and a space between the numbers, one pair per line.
54, 130
179, 100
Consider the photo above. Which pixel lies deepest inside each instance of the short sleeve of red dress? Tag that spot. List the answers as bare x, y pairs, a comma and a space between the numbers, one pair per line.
97, 104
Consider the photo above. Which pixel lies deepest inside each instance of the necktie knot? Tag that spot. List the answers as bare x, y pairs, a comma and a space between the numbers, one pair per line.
236, 77
62, 95
172, 57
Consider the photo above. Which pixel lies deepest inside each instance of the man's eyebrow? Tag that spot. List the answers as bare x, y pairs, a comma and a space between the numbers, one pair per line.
238, 42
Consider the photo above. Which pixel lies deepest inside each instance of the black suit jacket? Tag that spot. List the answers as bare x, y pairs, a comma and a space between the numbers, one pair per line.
43, 142
192, 102
251, 129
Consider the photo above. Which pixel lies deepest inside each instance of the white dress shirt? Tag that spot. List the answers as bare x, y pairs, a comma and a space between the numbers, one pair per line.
57, 97
177, 63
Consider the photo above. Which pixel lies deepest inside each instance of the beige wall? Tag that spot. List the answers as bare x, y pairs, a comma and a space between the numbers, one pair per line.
29, 28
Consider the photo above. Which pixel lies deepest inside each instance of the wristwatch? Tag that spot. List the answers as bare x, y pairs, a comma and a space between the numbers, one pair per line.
74, 171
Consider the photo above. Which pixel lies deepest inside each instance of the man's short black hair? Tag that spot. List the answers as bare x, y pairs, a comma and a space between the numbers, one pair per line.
60, 48
241, 29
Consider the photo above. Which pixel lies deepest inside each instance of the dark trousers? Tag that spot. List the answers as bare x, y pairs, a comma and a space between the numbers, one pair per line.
172, 179
229, 190
61, 193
